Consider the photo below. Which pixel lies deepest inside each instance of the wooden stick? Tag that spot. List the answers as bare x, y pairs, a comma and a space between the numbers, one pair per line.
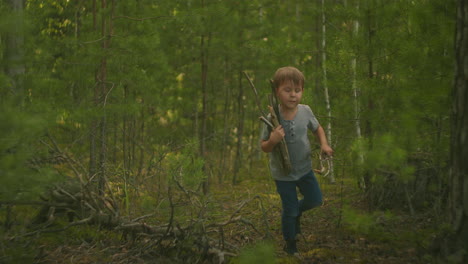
274, 99
256, 94
281, 147
267, 122
274, 113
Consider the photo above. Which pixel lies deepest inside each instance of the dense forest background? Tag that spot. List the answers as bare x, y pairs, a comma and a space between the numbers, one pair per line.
144, 104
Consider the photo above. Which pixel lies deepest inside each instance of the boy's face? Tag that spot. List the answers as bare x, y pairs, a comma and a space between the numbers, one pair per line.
289, 94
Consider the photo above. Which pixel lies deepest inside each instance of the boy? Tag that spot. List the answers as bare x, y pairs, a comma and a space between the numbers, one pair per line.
295, 120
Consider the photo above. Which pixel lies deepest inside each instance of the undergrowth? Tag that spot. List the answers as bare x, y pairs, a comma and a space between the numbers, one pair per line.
341, 231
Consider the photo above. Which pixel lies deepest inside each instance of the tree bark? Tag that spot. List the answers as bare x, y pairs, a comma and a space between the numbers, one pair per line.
457, 246
141, 161
102, 80
240, 130
94, 14
204, 46
240, 99
98, 148
14, 54
356, 90
227, 100
370, 103
325, 87
356, 95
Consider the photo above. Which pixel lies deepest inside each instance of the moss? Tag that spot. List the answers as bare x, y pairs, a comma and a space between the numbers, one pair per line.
262, 252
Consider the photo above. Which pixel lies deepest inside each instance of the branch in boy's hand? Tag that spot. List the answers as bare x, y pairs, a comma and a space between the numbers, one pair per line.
274, 113
267, 122
257, 101
277, 135
273, 99
283, 148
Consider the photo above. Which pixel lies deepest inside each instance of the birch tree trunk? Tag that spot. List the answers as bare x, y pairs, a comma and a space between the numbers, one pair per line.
356, 90
458, 182
240, 99
240, 130
356, 95
325, 88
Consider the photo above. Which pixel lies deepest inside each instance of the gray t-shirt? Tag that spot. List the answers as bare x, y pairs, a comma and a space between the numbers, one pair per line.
298, 144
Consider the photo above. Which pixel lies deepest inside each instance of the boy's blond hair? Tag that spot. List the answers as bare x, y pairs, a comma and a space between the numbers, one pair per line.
288, 74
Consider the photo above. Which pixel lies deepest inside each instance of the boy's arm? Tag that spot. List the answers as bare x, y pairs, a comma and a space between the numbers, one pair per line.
276, 136
322, 139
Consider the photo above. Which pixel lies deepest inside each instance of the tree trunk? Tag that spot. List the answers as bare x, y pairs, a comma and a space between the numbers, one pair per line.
204, 75
240, 131
102, 102
98, 148
325, 87
356, 95
204, 71
126, 149
141, 161
457, 246
227, 100
93, 125
94, 14
316, 56
370, 102
14, 56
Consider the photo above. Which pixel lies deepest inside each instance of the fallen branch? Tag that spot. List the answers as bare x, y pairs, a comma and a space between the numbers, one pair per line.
220, 254
33, 203
197, 236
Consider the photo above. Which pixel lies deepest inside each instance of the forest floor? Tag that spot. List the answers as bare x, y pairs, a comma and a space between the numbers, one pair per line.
343, 230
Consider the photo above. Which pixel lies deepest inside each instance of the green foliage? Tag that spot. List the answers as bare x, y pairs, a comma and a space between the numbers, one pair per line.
261, 252
362, 223
17, 253
153, 101
186, 166
384, 156
21, 177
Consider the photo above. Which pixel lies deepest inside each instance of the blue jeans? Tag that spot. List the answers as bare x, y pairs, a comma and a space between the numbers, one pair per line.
292, 207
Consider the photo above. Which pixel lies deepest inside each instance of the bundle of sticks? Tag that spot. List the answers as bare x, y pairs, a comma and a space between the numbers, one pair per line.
272, 120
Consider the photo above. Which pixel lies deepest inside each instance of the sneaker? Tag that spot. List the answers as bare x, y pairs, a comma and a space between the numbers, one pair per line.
290, 247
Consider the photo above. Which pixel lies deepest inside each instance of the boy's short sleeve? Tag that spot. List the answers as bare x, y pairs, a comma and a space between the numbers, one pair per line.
312, 122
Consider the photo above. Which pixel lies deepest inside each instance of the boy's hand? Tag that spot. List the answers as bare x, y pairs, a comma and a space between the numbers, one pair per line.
327, 150
277, 135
